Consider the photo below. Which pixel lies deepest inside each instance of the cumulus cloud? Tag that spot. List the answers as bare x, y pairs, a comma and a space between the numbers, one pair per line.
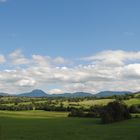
107, 70
26, 82
41, 60
48, 61
2, 59
114, 58
131, 71
56, 91
60, 60
18, 58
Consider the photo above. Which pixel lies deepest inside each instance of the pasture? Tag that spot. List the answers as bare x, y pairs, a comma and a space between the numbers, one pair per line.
43, 125
10, 101
133, 101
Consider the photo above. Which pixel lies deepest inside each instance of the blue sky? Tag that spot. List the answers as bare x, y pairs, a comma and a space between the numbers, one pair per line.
69, 28
63, 42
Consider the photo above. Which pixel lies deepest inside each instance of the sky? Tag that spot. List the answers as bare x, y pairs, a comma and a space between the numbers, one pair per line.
69, 45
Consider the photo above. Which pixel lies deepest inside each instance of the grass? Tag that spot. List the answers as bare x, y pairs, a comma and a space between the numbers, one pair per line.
85, 103
89, 103
96, 102
132, 101
32, 114
41, 125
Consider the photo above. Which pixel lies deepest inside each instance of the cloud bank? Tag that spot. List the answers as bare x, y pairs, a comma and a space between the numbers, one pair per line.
108, 70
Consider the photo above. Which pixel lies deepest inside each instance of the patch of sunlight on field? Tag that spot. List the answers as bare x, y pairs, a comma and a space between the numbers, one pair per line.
88, 103
32, 114
132, 101
95, 102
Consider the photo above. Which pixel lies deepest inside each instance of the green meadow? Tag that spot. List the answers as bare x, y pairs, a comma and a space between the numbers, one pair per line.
43, 125
133, 101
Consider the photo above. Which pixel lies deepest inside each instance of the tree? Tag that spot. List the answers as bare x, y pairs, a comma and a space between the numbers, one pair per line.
77, 113
134, 109
95, 111
115, 111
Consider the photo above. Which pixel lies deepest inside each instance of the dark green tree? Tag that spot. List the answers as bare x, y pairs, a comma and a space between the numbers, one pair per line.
115, 111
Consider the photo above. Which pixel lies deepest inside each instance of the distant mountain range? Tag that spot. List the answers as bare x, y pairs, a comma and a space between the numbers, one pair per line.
40, 93
76, 94
4, 94
111, 93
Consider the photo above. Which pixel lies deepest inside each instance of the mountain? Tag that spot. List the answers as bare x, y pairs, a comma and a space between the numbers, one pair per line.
82, 94
40, 93
4, 94
111, 93
76, 94
34, 93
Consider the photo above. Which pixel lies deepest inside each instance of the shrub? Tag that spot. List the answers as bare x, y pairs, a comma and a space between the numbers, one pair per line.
134, 109
115, 111
76, 113
96, 110
136, 116
91, 115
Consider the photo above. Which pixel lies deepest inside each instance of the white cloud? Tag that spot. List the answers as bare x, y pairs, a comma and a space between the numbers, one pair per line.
55, 91
131, 71
2, 59
107, 70
48, 61
18, 58
60, 60
26, 82
41, 60
114, 58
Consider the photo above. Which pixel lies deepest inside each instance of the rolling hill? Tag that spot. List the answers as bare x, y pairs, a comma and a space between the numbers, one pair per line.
4, 94
111, 93
76, 94
40, 93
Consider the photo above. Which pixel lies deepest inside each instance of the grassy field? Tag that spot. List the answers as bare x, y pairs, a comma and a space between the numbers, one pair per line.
133, 101
41, 125
88, 103
85, 103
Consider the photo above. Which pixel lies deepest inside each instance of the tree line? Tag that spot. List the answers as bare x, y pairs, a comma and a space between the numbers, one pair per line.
113, 112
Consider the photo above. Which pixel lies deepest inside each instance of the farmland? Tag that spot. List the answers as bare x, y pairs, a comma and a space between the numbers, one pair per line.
42, 125
32, 122
73, 102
